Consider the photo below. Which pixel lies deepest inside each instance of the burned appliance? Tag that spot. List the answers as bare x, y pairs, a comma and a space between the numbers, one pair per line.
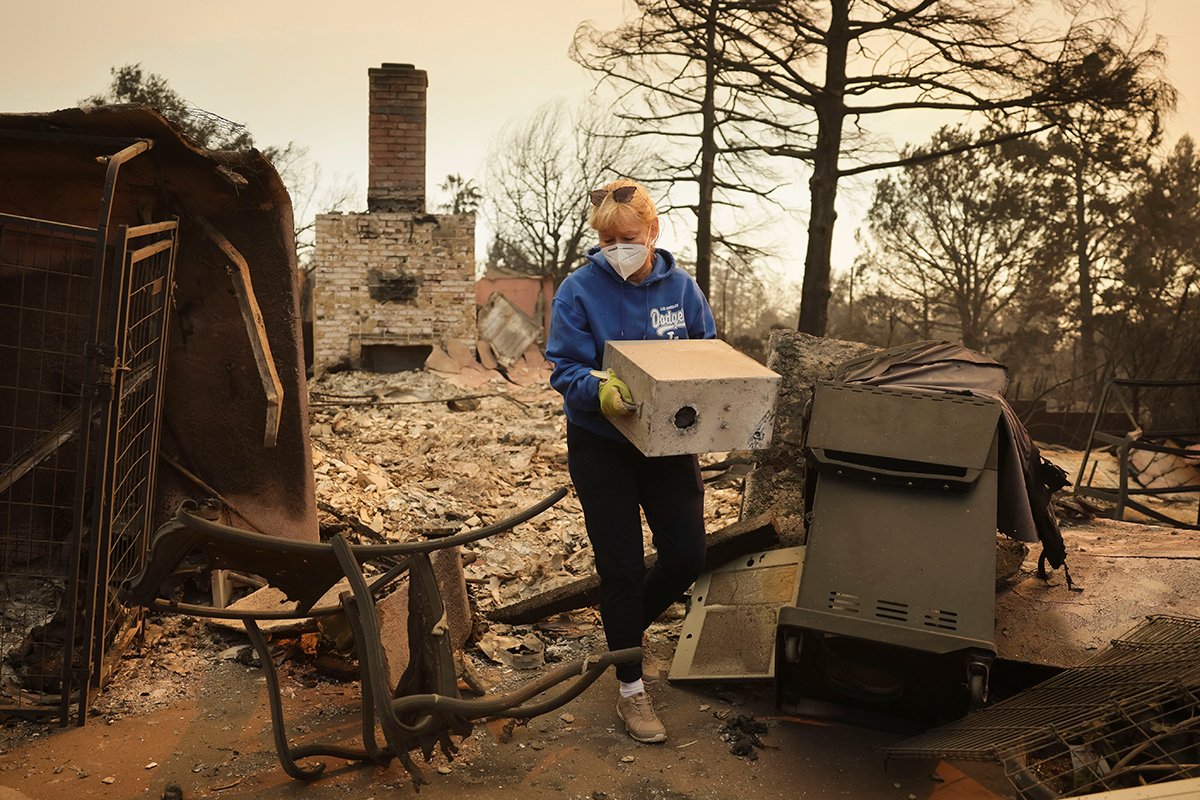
895, 610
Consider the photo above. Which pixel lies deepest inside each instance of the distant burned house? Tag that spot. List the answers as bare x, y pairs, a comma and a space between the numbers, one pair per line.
390, 284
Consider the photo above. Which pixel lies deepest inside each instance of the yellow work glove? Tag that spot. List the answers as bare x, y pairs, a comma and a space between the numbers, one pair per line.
615, 399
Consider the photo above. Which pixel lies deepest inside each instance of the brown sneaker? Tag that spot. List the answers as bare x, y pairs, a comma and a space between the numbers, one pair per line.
640, 720
651, 669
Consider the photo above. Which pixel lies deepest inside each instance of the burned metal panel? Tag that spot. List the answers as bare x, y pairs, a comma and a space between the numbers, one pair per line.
128, 378
85, 335
215, 406
45, 306
729, 632
508, 329
86, 277
532, 294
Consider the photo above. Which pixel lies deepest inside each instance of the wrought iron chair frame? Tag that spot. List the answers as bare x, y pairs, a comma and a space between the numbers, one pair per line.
423, 710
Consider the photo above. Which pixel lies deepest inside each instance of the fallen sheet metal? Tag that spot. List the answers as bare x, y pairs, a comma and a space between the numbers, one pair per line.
508, 329
1128, 716
729, 632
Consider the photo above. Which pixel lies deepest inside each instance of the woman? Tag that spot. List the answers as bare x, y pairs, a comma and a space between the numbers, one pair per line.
627, 289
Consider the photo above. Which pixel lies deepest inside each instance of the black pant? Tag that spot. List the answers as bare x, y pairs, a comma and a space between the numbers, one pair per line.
612, 479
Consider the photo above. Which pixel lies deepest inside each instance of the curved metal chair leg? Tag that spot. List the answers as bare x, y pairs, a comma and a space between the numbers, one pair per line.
516, 704
380, 755
399, 737
286, 759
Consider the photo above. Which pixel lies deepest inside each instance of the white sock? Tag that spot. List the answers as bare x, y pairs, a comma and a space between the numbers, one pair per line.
630, 689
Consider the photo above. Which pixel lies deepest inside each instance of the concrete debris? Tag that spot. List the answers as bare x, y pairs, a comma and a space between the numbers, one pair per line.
406, 472
518, 652
487, 356
777, 482
1010, 554
393, 611
527, 369
441, 361
269, 598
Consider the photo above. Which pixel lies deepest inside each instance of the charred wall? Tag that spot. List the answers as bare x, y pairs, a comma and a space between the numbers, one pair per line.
390, 278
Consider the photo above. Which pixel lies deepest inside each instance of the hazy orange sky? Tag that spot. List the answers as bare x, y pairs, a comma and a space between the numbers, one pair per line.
297, 71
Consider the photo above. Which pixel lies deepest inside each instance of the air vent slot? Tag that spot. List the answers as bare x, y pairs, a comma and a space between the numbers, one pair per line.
844, 603
891, 610
879, 462
939, 618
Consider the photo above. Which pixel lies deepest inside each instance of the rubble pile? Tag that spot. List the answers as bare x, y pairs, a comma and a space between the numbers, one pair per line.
419, 454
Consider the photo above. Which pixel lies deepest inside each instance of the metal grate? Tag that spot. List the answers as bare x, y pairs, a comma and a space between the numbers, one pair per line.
1128, 716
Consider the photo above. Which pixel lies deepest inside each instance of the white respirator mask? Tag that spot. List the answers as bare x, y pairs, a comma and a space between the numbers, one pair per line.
625, 257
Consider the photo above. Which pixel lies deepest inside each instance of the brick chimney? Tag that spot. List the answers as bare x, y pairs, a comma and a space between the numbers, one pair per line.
396, 138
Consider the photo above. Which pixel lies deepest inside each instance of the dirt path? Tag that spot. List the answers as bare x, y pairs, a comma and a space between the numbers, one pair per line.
216, 743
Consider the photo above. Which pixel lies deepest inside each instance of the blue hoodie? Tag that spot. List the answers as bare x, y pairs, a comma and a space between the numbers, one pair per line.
594, 305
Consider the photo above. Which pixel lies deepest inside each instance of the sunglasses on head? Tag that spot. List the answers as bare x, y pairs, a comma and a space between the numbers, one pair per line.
622, 194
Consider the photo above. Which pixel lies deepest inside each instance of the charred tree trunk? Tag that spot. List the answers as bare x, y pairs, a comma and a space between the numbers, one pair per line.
830, 109
777, 483
708, 154
1087, 334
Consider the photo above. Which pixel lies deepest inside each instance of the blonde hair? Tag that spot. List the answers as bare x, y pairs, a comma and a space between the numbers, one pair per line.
611, 214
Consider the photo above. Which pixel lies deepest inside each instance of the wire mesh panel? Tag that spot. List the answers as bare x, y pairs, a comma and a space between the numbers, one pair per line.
1128, 716
45, 305
82, 346
123, 504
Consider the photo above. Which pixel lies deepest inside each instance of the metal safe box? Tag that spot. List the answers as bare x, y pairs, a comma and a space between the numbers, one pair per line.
895, 611
693, 396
